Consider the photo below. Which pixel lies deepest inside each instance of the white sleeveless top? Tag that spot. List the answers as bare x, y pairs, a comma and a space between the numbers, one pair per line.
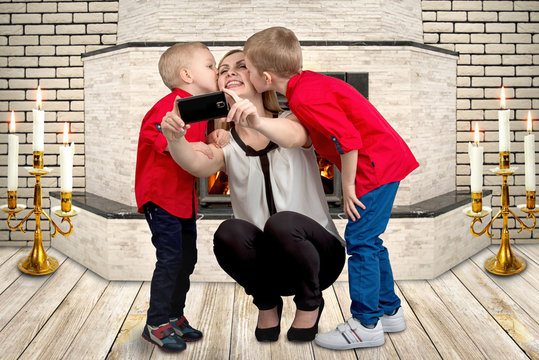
294, 177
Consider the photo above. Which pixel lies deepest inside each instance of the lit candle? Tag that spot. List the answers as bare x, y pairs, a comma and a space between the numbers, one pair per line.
13, 157
476, 163
66, 163
39, 124
529, 156
503, 125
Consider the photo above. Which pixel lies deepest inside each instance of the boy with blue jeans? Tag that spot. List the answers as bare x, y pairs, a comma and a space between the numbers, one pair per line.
348, 131
165, 193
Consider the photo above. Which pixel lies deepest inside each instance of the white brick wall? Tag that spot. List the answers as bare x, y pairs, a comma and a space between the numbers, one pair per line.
25, 25
498, 45
41, 44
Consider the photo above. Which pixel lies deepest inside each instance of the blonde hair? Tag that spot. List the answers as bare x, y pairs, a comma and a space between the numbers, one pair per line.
173, 59
275, 49
269, 98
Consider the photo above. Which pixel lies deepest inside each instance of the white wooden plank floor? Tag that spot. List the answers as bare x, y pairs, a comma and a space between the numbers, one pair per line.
466, 313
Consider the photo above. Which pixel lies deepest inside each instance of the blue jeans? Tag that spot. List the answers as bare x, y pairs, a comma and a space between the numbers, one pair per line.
369, 271
175, 244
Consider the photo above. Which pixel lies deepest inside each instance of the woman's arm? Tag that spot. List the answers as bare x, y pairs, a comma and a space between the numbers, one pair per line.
183, 153
286, 132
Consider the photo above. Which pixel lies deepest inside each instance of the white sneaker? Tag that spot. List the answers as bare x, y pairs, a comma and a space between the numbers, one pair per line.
350, 335
394, 323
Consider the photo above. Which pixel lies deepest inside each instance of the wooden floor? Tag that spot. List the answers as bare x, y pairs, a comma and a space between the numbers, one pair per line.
465, 313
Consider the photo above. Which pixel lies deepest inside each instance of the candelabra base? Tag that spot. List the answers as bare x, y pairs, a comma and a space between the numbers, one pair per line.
26, 265
493, 265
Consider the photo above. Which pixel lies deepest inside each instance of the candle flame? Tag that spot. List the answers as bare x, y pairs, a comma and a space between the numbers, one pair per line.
502, 98
39, 98
66, 132
476, 134
12, 122
530, 125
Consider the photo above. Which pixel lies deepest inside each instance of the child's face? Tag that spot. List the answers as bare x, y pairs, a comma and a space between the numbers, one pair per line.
233, 75
257, 79
203, 72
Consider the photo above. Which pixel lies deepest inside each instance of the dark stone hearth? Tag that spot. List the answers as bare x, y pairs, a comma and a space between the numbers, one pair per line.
114, 210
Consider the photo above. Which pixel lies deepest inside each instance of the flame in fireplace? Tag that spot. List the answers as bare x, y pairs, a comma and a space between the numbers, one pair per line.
218, 184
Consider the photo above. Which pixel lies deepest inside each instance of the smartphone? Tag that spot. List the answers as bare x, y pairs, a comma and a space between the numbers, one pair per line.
203, 107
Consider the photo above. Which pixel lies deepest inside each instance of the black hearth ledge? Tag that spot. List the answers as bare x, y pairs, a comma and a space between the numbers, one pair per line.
111, 209
306, 43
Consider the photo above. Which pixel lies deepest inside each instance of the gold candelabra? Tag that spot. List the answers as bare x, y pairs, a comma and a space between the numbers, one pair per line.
505, 262
38, 262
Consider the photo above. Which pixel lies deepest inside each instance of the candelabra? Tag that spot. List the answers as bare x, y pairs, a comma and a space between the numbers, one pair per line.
505, 262
38, 262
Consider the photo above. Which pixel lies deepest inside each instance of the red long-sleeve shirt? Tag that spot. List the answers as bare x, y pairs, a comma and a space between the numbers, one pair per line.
339, 119
158, 178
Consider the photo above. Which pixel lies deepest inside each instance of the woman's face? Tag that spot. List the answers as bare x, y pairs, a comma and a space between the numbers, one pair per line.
233, 75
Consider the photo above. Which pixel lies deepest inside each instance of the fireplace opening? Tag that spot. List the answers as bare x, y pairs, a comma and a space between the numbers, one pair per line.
215, 190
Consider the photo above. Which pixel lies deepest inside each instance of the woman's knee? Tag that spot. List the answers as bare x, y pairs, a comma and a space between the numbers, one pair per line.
280, 226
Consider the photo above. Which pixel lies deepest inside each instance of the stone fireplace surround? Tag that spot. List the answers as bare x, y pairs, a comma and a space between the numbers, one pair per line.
413, 85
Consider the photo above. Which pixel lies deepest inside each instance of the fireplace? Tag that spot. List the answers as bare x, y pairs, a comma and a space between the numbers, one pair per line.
215, 189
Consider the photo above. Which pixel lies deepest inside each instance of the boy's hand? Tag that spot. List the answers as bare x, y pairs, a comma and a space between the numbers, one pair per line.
350, 201
243, 112
172, 124
220, 138
203, 148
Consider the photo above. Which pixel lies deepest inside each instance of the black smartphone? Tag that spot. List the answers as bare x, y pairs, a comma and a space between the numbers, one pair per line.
203, 107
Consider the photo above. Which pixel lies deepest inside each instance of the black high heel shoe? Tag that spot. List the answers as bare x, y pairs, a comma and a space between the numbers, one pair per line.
308, 334
270, 334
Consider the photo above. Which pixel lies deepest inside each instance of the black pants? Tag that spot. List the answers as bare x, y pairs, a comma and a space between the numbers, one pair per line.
175, 244
294, 255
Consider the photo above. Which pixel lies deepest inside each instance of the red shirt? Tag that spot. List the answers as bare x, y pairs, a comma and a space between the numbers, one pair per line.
158, 178
339, 119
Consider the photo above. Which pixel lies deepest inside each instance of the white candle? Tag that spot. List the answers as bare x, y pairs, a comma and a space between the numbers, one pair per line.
529, 156
13, 157
66, 163
476, 163
503, 125
39, 124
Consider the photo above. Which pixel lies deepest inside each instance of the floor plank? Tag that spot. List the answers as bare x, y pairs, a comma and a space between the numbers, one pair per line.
513, 285
386, 351
441, 326
96, 337
474, 319
6, 252
129, 343
209, 307
531, 250
532, 268
39, 307
9, 271
413, 343
243, 342
67, 320
516, 322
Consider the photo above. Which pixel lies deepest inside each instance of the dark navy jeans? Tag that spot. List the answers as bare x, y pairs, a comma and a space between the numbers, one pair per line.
370, 276
175, 243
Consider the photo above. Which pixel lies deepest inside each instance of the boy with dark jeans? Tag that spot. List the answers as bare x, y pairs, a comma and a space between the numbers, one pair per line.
166, 195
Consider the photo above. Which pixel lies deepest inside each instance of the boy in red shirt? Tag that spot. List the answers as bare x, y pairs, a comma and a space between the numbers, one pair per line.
165, 193
347, 130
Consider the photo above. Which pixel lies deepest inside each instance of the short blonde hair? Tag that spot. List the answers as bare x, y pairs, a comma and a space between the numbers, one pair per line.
275, 49
173, 59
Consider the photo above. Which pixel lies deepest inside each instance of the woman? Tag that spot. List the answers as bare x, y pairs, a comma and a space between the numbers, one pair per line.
282, 240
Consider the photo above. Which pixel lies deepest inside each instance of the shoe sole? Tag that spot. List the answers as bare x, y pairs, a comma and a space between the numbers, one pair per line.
159, 346
192, 340
363, 344
394, 328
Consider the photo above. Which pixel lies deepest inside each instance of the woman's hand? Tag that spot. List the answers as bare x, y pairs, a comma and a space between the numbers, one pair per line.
350, 201
242, 112
172, 124
219, 137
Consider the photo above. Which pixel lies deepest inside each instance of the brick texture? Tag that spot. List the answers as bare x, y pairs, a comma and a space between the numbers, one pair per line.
42, 43
509, 58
